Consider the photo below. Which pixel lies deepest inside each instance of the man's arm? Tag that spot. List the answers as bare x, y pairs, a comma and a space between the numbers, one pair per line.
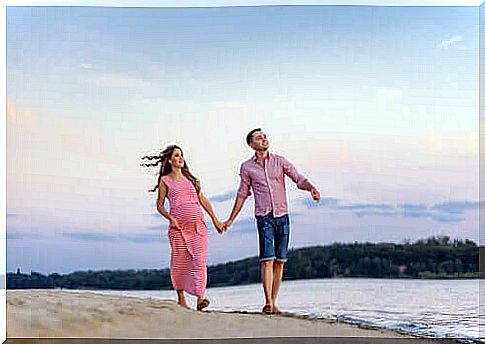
238, 204
306, 185
301, 181
242, 193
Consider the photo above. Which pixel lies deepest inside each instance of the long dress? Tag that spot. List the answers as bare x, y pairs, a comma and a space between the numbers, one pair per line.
189, 244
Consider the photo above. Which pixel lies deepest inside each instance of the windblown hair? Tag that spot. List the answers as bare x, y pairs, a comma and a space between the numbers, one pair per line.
166, 168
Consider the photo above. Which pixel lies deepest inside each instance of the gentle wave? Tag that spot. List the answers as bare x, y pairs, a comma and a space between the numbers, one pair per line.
424, 308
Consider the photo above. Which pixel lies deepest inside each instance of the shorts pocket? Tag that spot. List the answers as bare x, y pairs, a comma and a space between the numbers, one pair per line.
285, 229
283, 225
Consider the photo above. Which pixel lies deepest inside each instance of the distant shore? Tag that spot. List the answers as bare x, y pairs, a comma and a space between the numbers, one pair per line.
40, 313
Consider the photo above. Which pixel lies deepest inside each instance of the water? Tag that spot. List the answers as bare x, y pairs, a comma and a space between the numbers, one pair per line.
430, 308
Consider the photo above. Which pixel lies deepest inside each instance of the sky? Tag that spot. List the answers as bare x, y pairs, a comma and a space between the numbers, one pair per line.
377, 106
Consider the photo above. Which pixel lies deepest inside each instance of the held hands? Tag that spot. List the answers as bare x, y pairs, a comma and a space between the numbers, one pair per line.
222, 226
219, 226
226, 225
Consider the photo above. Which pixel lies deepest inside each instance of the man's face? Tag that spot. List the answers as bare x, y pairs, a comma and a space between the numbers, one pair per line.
260, 141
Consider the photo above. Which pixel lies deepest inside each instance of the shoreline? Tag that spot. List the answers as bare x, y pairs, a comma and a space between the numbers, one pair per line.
85, 314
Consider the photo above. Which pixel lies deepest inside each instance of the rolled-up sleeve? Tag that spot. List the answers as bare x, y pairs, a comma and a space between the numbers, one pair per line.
244, 185
291, 171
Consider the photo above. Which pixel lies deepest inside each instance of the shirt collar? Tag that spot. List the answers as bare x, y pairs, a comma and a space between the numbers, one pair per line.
255, 158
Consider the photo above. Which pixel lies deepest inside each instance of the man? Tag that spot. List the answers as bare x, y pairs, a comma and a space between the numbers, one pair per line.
265, 174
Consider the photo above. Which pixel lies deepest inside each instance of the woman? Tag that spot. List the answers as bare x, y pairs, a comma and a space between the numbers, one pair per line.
187, 231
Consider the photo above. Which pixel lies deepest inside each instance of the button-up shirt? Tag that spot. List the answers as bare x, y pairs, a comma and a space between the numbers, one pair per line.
268, 183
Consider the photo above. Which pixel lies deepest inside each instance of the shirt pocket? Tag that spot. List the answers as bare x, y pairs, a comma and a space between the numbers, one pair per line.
276, 175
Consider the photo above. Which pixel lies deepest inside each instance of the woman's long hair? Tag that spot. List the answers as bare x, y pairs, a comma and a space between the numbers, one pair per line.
166, 168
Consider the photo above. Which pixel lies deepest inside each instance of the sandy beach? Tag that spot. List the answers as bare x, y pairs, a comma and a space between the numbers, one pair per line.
37, 313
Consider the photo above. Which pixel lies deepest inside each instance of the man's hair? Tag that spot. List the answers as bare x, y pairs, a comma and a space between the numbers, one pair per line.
249, 137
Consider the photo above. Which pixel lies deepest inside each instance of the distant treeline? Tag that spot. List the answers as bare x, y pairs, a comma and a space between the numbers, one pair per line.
435, 257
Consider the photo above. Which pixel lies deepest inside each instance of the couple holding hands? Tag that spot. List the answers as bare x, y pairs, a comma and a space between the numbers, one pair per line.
264, 174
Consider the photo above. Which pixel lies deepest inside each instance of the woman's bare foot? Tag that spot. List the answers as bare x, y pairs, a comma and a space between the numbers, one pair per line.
183, 304
202, 303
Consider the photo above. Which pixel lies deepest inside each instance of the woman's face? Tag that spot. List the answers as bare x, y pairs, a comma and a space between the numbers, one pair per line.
177, 159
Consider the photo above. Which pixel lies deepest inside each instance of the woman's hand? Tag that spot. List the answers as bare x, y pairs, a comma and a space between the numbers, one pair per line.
218, 225
174, 223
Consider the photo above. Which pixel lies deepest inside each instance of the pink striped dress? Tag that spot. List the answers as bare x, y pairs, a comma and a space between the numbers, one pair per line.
188, 262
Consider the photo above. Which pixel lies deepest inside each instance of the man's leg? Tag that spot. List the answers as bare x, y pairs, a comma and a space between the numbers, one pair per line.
282, 234
266, 257
267, 279
278, 268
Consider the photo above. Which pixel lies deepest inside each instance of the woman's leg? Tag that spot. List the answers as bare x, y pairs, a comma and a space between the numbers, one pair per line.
181, 299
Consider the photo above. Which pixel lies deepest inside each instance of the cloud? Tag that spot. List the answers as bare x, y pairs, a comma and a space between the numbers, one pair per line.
230, 195
447, 43
141, 238
145, 238
330, 202
412, 207
374, 213
22, 235
87, 236
20, 117
440, 212
413, 214
86, 65
455, 207
324, 202
360, 206
446, 218
416, 213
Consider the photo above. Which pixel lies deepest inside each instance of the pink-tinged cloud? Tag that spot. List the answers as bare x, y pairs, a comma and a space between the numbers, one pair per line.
21, 118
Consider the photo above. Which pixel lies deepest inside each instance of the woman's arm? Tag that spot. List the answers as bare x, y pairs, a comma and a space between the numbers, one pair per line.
204, 202
162, 193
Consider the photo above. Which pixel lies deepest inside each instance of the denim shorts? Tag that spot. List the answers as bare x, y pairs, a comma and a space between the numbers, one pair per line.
273, 234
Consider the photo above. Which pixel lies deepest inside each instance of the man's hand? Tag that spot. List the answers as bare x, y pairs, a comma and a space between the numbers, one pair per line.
226, 225
315, 194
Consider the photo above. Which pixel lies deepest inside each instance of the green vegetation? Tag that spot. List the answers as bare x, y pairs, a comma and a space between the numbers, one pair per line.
435, 257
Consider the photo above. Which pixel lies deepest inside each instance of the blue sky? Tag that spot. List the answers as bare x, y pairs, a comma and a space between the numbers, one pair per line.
377, 106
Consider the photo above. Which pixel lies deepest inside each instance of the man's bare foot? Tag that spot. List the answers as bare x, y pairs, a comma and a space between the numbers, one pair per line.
183, 304
276, 310
268, 309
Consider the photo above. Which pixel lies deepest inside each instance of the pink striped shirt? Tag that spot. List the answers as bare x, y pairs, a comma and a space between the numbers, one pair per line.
268, 183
